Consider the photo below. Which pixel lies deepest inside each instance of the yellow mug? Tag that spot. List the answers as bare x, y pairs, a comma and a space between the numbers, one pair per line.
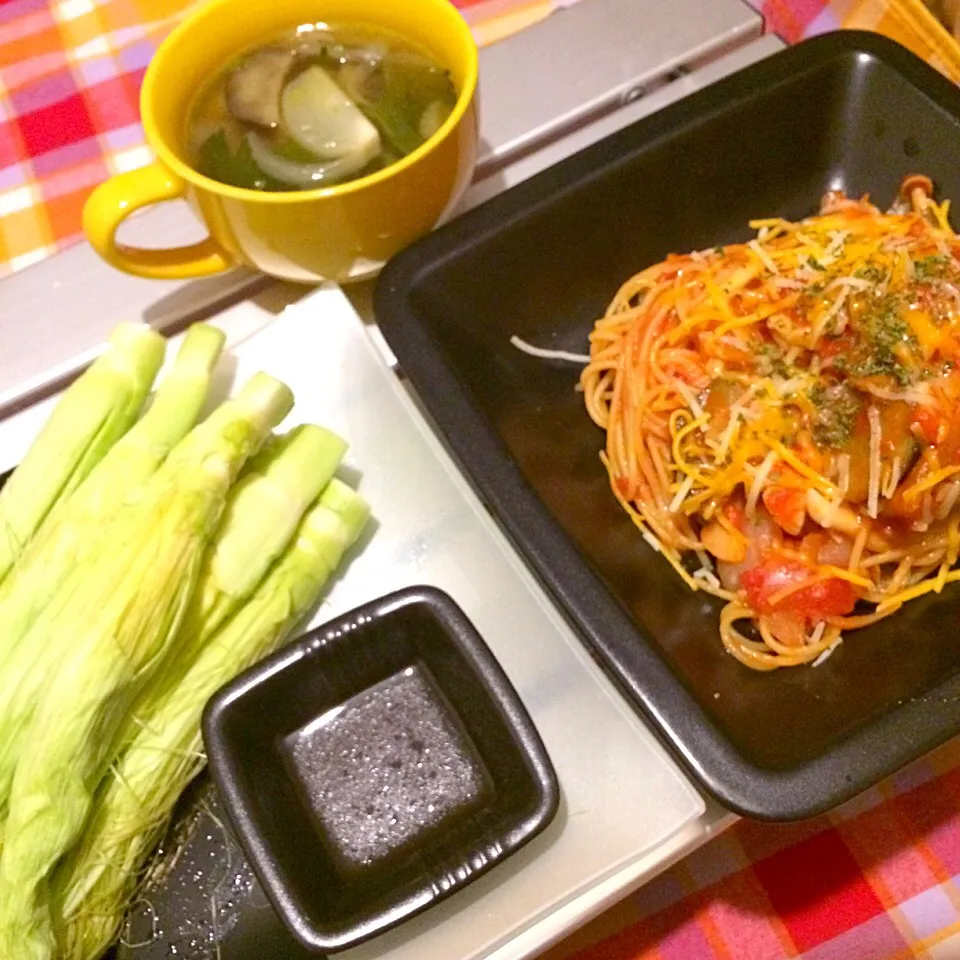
337, 233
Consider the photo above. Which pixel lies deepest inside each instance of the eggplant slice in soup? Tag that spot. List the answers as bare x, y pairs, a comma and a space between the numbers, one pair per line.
254, 88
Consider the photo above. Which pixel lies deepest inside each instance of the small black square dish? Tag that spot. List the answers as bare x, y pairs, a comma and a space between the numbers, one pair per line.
377, 765
847, 111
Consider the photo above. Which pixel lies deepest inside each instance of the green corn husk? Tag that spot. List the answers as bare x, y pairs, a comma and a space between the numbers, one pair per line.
262, 514
77, 522
96, 883
92, 414
111, 625
263, 511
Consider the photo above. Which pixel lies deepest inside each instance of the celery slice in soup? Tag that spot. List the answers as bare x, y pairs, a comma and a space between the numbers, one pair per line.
433, 118
321, 118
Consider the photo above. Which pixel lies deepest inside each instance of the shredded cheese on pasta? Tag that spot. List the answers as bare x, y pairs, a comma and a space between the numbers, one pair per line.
782, 410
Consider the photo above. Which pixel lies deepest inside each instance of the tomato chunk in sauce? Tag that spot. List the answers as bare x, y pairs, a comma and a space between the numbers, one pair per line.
830, 597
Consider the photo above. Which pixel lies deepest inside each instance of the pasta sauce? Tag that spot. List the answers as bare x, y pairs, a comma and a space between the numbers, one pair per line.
779, 418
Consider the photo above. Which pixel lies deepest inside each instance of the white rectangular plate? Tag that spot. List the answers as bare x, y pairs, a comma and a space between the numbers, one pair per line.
622, 797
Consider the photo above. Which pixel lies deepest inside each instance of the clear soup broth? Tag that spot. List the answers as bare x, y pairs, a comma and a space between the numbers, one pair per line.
317, 106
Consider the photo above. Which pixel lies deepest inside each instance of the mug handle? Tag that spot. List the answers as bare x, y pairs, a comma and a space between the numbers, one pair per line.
112, 202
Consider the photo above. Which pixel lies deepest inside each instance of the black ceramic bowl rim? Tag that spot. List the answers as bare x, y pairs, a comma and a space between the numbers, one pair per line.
515, 719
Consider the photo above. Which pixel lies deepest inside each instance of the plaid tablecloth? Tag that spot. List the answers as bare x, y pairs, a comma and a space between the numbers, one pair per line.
907, 21
878, 879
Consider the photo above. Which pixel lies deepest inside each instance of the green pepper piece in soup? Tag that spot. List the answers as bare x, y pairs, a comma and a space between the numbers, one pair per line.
238, 169
398, 95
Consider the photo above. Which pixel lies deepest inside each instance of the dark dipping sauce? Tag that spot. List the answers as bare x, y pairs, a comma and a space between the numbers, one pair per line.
386, 769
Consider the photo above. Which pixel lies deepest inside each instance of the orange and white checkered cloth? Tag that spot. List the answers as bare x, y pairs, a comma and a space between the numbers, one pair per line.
907, 21
70, 73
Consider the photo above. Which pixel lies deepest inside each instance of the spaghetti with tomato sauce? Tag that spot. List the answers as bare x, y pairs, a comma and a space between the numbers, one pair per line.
779, 419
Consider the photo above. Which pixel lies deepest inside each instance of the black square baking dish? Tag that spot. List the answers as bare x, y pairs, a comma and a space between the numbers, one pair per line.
849, 110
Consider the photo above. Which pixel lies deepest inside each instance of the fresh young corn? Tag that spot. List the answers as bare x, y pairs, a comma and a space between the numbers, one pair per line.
92, 414
77, 522
111, 626
263, 511
96, 882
